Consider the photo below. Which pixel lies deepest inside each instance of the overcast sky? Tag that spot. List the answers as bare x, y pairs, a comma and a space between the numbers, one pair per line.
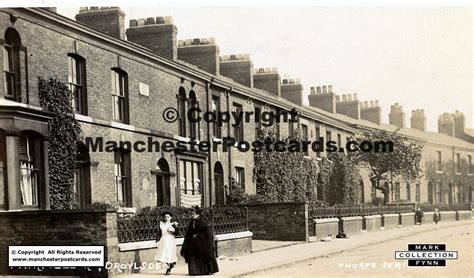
421, 58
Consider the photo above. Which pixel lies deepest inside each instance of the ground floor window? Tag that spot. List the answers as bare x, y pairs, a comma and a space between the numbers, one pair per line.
190, 175
439, 193
190, 182
122, 169
3, 168
458, 193
30, 156
82, 187
240, 177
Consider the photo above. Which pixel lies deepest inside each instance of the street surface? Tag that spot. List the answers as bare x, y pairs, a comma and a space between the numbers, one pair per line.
378, 260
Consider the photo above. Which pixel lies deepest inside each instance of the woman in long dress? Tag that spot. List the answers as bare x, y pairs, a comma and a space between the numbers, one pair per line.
166, 253
198, 246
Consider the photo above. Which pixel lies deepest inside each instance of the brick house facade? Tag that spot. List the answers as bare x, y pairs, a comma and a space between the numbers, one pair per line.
121, 89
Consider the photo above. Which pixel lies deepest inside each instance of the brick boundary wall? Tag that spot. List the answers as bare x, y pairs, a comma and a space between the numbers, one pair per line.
407, 219
75, 227
352, 224
144, 252
279, 221
464, 215
372, 222
324, 227
390, 220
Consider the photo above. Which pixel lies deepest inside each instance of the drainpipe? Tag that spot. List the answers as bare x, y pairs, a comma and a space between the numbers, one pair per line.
229, 160
209, 156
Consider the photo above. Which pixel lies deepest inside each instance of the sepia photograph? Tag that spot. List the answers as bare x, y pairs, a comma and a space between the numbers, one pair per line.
236, 138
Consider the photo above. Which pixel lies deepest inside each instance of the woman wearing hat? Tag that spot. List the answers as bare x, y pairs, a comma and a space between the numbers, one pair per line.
198, 246
166, 253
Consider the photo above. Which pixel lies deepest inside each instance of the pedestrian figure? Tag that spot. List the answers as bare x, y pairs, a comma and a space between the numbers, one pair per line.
436, 216
166, 253
418, 216
198, 246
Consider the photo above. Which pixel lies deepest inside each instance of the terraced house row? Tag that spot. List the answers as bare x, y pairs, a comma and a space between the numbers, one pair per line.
123, 79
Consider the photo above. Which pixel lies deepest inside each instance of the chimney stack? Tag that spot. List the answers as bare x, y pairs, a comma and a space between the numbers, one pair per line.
418, 119
459, 122
396, 116
370, 111
325, 101
109, 20
157, 34
267, 79
237, 67
349, 106
292, 90
446, 124
203, 53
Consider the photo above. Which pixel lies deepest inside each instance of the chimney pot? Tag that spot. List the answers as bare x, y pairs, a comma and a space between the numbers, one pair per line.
150, 21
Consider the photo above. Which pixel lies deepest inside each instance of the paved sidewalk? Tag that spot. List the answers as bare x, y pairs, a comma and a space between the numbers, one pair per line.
279, 257
264, 245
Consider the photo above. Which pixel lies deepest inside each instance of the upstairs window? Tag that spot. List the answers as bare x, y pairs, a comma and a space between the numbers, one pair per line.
120, 95
258, 125
11, 65
318, 135
469, 164
458, 163
238, 129
77, 83
304, 129
193, 126
182, 112
328, 136
216, 109
438, 162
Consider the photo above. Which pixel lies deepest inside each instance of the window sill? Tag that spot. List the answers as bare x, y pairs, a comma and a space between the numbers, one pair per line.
83, 118
183, 139
122, 126
217, 140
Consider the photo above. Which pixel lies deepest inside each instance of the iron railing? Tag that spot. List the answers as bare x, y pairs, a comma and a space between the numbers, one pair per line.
339, 211
133, 227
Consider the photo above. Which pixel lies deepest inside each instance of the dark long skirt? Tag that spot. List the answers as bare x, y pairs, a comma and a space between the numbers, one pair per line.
198, 266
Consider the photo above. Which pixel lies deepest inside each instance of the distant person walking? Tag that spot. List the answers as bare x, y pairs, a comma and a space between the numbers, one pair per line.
419, 216
198, 246
166, 253
436, 216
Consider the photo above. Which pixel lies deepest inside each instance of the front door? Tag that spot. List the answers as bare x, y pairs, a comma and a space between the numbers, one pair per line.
162, 190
